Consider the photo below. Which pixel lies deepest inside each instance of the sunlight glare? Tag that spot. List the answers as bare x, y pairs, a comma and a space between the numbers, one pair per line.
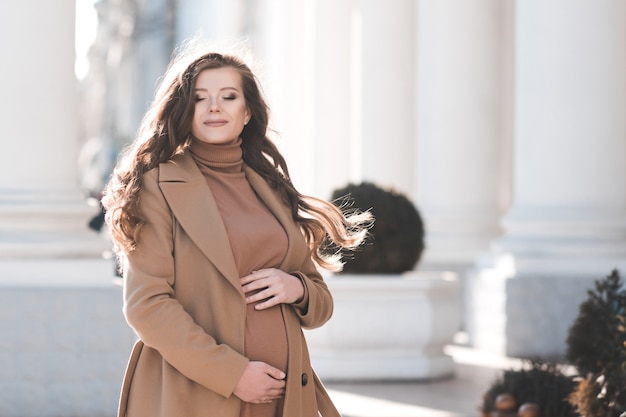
86, 29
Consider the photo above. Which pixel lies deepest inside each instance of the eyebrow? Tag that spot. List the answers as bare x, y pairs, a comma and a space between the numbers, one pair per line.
221, 89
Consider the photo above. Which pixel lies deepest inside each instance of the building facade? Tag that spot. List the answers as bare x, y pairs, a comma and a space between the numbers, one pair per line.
503, 120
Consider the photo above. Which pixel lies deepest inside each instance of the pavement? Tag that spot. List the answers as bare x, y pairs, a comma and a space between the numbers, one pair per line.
459, 396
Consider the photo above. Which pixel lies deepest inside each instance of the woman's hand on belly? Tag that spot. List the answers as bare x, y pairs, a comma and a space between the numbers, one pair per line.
260, 383
271, 287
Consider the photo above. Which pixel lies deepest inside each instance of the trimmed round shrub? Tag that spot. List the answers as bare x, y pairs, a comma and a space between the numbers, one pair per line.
396, 239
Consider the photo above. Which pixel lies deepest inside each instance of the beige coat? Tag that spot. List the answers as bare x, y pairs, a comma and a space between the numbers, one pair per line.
183, 298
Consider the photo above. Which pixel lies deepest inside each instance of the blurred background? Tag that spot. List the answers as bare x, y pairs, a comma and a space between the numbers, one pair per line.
504, 121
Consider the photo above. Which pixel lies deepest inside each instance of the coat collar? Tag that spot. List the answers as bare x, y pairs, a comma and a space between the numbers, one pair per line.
195, 209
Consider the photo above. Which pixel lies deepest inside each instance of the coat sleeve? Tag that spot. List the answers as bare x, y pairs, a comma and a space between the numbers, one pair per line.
317, 306
151, 308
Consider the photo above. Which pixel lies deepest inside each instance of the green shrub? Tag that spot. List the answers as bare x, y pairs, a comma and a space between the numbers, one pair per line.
596, 346
396, 240
542, 383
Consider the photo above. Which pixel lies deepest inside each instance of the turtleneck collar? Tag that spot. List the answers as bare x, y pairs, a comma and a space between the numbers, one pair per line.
222, 158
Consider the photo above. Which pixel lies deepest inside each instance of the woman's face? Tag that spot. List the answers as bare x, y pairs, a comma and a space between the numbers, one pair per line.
220, 112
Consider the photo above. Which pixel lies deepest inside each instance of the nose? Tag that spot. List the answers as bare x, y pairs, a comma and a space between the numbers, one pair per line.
213, 107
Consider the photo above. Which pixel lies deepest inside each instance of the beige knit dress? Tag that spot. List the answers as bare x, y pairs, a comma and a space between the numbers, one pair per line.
258, 241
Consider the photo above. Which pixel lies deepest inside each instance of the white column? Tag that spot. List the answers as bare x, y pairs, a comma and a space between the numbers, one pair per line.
41, 209
214, 20
38, 117
463, 125
384, 73
285, 48
305, 49
333, 86
570, 178
567, 226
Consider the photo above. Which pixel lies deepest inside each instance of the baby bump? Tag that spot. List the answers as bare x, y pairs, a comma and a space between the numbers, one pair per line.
266, 338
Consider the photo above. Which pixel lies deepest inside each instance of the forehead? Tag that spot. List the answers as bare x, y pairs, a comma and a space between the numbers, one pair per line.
218, 78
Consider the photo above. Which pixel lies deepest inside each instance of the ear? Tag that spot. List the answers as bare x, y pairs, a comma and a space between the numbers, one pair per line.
247, 118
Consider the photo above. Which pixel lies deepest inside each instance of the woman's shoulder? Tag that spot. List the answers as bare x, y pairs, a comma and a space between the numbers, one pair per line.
164, 171
181, 167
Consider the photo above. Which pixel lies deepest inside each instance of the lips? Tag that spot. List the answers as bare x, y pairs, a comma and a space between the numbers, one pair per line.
215, 123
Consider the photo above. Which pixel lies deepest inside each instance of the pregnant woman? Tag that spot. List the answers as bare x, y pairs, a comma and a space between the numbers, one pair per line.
219, 254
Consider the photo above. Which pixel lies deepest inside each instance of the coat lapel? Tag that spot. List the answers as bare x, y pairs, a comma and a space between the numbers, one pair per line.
194, 207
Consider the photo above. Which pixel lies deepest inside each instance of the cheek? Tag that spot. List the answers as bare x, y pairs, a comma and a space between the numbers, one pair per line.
197, 112
245, 114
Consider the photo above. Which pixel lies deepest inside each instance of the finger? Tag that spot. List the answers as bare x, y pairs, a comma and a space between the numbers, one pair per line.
259, 284
276, 393
249, 278
270, 396
262, 295
256, 275
276, 373
251, 281
255, 292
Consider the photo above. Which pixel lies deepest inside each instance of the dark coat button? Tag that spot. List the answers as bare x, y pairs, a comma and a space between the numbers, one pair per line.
305, 380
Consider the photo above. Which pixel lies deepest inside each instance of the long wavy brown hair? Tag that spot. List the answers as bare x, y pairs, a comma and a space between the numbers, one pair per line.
166, 131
